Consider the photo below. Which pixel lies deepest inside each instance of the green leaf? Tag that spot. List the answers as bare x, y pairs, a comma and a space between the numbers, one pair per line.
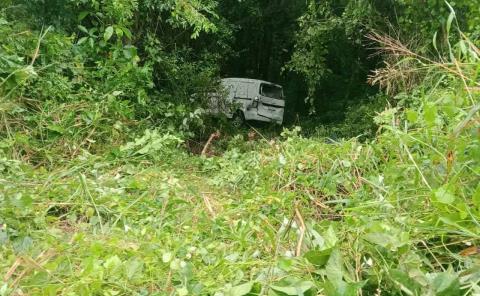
285, 264
430, 113
412, 116
240, 290
22, 244
450, 18
444, 195
446, 284
434, 41
334, 267
21, 201
56, 128
129, 52
108, 33
318, 258
119, 32
20, 76
40, 278
330, 236
82, 40
449, 22
127, 32
82, 15
83, 29
113, 264
167, 257
379, 238
463, 47
449, 221
404, 282
317, 240
296, 287
342, 288
133, 268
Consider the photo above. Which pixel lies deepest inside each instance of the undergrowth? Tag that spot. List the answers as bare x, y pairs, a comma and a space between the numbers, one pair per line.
94, 203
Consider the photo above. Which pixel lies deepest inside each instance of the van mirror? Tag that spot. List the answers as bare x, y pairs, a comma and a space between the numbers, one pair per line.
255, 102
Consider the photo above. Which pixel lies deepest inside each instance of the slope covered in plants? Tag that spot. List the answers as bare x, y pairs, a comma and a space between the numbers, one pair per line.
100, 195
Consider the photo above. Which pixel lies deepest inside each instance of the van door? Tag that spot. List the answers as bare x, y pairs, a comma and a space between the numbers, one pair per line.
271, 102
244, 100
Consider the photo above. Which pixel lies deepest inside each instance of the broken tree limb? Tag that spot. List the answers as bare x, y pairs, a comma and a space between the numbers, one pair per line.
212, 137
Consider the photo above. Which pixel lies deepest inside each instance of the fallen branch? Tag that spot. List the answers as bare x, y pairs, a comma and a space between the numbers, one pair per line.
31, 264
212, 137
12, 269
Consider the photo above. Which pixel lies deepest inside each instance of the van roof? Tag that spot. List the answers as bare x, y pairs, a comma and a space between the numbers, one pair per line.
249, 80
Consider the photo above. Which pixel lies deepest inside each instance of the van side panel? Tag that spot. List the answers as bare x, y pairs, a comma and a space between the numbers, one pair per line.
244, 99
242, 90
242, 93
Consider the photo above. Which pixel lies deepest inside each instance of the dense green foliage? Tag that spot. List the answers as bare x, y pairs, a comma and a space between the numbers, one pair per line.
102, 191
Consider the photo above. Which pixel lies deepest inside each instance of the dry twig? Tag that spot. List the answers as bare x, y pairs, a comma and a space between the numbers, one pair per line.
208, 205
302, 231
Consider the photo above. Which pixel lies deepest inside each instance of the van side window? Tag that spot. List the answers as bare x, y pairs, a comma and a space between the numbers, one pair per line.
271, 91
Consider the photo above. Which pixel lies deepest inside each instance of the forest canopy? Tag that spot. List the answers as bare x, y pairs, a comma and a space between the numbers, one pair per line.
318, 50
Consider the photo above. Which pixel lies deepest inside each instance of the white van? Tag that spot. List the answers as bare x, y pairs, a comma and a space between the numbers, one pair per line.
253, 99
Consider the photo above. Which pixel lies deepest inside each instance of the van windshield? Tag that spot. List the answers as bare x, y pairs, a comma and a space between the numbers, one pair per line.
271, 91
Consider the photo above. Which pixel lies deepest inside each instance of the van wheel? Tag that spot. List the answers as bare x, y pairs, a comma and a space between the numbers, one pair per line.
238, 119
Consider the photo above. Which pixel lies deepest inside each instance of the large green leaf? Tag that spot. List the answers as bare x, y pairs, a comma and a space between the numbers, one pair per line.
444, 195
293, 286
430, 113
318, 258
334, 268
240, 290
341, 288
133, 268
404, 282
108, 33
446, 284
